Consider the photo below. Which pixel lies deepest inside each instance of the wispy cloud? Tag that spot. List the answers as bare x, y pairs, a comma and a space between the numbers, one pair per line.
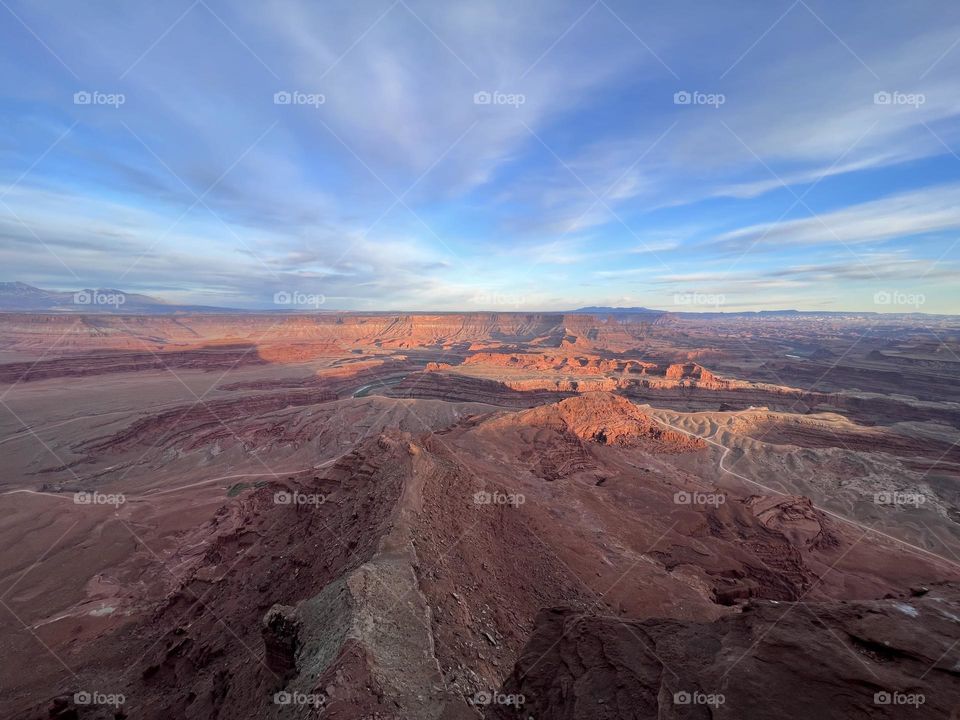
898, 216
401, 189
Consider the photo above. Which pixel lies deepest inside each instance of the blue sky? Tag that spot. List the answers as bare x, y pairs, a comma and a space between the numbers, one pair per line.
387, 182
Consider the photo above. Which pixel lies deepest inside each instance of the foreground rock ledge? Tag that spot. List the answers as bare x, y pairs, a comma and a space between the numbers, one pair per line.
892, 658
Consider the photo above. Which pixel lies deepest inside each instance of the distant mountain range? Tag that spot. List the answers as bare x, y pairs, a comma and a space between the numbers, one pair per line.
20, 297
604, 310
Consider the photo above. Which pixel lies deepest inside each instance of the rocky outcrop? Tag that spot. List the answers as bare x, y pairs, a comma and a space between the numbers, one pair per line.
589, 373
796, 519
606, 419
564, 385
691, 373
281, 641
892, 658
575, 364
434, 366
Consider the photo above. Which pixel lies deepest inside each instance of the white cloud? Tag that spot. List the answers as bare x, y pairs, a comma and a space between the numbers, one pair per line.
900, 215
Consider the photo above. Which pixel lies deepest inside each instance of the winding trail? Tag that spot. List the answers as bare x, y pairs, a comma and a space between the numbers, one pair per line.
866, 528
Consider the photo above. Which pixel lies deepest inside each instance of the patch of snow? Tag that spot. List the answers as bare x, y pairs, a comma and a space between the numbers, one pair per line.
907, 609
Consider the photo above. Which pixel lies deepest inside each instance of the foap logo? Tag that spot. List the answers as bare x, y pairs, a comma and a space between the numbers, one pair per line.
96, 297
285, 697
899, 498
683, 697
98, 498
298, 498
898, 698
484, 97
298, 299
698, 298
695, 97
95, 97
895, 97
495, 299
492, 697
295, 97
699, 498
895, 297
95, 697
483, 497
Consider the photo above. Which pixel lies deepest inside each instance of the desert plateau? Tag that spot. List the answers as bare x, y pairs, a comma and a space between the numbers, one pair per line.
406, 516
